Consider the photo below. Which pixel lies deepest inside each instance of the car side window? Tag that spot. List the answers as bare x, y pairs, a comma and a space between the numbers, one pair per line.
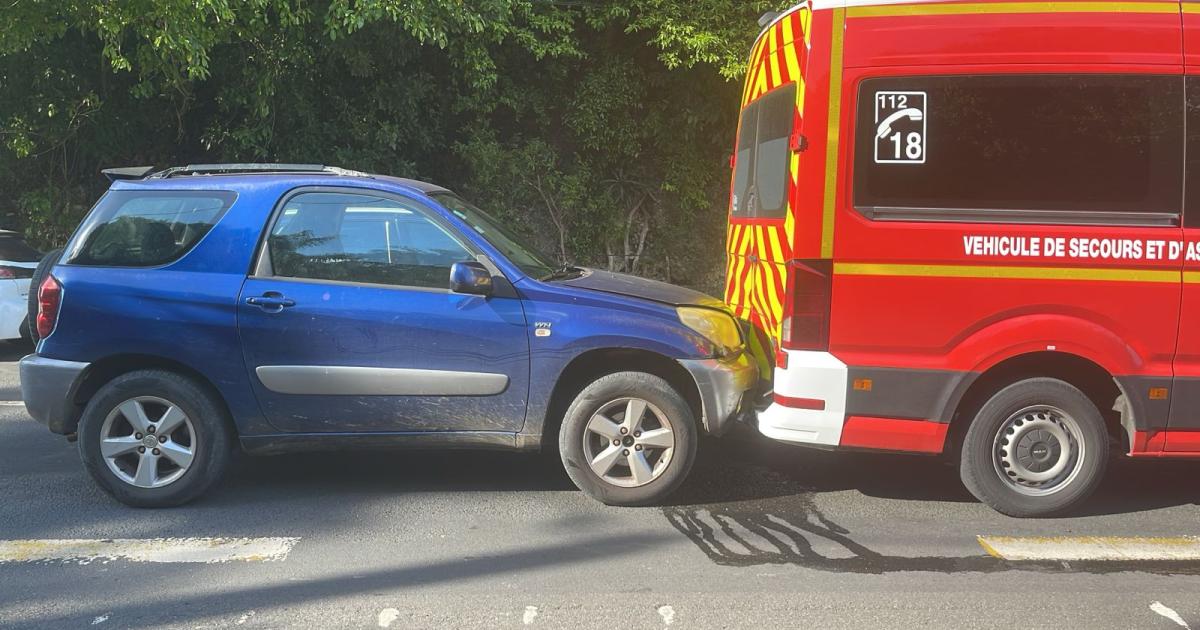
362, 238
996, 146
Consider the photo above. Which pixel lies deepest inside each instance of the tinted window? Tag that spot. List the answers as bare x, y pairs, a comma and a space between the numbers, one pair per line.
771, 168
360, 238
1084, 143
15, 249
1192, 212
145, 229
761, 168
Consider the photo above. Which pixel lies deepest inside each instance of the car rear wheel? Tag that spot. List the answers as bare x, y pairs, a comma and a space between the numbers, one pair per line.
155, 439
628, 439
1036, 448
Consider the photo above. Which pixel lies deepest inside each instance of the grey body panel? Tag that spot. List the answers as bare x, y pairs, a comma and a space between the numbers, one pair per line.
724, 385
319, 380
48, 389
450, 440
908, 394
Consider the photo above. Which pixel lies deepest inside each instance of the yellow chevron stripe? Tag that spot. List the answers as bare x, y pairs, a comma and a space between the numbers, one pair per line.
776, 249
1008, 273
789, 52
832, 137
943, 8
806, 25
755, 65
773, 58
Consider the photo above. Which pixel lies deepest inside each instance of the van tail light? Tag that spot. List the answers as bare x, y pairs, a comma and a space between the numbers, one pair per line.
49, 301
806, 307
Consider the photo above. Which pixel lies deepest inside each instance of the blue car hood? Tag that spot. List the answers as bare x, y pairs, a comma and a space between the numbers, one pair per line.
633, 286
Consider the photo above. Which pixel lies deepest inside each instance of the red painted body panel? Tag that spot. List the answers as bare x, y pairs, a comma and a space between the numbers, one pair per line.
942, 312
890, 434
985, 39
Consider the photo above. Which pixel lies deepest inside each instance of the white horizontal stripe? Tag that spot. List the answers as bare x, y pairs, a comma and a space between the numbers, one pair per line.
836, 4
11, 403
181, 550
1095, 548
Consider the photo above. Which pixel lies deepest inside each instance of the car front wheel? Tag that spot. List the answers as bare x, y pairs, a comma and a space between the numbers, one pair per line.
628, 439
155, 439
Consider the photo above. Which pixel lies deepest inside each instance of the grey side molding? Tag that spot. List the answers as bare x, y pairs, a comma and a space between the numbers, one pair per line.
320, 380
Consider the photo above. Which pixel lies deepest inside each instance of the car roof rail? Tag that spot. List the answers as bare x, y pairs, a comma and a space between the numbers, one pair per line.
251, 168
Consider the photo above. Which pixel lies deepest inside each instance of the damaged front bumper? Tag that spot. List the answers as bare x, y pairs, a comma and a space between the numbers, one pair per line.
727, 387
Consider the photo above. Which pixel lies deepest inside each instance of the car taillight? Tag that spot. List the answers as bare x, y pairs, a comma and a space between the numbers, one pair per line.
49, 301
8, 272
806, 307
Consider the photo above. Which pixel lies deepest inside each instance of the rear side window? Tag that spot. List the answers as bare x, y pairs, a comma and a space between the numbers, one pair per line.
1026, 148
364, 239
146, 229
761, 166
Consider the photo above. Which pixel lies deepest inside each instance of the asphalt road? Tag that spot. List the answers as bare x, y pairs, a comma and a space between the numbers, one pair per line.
763, 535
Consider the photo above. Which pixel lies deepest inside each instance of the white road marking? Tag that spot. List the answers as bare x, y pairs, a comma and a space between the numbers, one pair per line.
667, 613
11, 403
1159, 608
102, 618
163, 550
531, 613
387, 616
1092, 548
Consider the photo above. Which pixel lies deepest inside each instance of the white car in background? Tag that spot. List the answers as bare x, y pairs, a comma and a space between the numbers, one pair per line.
17, 262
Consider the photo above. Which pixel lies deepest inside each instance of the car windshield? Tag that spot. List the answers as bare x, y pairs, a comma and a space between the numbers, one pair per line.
532, 262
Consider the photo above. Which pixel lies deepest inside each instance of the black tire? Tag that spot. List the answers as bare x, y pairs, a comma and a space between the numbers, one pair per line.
609, 390
1018, 410
39, 274
212, 449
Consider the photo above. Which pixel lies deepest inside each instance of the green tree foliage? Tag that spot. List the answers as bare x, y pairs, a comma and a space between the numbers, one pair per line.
599, 128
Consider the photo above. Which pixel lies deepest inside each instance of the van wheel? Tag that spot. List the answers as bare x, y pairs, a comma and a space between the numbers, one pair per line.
628, 439
1036, 448
155, 439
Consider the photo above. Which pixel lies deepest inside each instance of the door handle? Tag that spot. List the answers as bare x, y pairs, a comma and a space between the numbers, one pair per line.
271, 302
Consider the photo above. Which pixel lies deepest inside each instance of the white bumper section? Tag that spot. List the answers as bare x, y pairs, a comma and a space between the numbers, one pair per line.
810, 375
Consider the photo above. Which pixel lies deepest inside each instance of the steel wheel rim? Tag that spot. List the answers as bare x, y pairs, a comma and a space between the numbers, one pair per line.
1038, 451
629, 442
148, 442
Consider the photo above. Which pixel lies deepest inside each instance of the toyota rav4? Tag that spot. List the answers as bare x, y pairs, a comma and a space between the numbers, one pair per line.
273, 308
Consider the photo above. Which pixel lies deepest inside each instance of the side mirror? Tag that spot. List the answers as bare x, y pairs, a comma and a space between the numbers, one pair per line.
471, 278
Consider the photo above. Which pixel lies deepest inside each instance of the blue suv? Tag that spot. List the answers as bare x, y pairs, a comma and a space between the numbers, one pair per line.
277, 308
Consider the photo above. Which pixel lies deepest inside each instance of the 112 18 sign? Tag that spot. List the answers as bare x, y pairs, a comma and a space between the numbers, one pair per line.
900, 119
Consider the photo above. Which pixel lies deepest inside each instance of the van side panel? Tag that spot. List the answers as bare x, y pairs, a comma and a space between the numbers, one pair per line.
918, 296
919, 309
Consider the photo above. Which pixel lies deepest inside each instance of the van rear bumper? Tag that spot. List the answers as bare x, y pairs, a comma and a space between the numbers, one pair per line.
48, 389
810, 400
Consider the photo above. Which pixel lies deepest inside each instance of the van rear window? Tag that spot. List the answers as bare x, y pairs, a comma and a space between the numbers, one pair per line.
761, 166
146, 229
1060, 146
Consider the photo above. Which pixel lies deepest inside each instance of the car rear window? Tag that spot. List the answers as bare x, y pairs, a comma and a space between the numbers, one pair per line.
761, 168
14, 249
146, 229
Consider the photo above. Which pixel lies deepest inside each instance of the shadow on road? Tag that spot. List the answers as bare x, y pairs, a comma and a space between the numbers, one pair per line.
755, 503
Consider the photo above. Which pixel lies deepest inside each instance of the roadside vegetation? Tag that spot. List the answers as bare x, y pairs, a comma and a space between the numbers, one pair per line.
600, 128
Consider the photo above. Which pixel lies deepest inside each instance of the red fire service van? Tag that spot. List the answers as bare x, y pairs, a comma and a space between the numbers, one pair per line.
974, 228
